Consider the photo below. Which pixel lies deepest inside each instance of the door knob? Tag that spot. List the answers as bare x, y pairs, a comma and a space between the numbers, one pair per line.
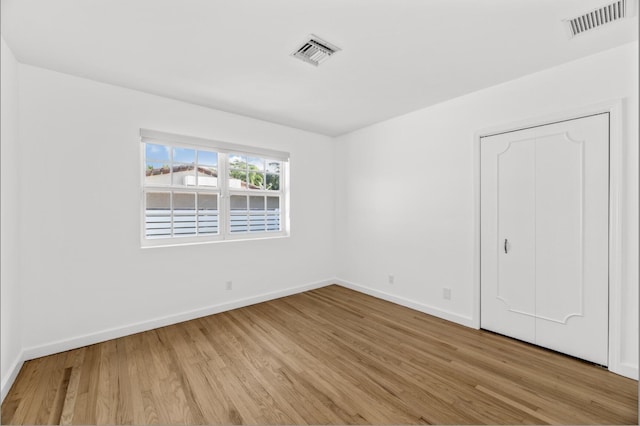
505, 246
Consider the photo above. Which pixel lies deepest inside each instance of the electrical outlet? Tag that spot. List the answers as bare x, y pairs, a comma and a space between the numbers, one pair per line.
229, 285
391, 279
446, 293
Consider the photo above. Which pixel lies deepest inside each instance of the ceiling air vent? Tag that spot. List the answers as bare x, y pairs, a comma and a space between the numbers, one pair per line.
598, 17
315, 50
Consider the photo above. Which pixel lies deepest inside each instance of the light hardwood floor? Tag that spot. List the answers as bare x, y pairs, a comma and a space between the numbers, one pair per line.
328, 356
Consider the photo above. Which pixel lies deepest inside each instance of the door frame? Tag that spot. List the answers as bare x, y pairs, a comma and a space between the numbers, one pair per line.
615, 109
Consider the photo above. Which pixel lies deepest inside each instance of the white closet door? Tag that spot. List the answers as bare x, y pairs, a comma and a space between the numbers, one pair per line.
545, 191
508, 224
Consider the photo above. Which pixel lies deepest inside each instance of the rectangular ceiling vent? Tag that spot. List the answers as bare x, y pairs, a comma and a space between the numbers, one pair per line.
315, 50
598, 17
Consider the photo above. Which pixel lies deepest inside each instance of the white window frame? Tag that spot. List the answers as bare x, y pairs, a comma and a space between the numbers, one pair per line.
223, 149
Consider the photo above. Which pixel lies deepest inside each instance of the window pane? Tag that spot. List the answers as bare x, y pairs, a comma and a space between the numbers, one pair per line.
273, 213
238, 218
184, 202
242, 180
208, 215
257, 222
237, 179
273, 166
158, 215
273, 203
256, 203
207, 158
207, 176
184, 155
273, 182
207, 168
157, 174
184, 174
255, 163
256, 180
257, 217
237, 161
184, 213
157, 153
207, 202
238, 202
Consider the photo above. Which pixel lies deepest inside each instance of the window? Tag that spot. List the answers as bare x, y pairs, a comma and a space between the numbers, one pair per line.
196, 190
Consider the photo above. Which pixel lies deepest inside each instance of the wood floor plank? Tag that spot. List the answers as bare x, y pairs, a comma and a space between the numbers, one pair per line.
165, 384
107, 386
143, 404
327, 356
42, 413
18, 399
68, 409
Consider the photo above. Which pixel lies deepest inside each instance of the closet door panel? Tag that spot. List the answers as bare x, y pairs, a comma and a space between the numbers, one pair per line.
559, 225
516, 227
572, 238
507, 242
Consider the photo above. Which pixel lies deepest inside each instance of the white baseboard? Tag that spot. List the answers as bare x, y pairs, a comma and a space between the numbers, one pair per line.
436, 312
626, 370
113, 333
7, 381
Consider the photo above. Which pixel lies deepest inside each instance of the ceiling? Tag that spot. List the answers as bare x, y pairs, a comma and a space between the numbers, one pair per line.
234, 55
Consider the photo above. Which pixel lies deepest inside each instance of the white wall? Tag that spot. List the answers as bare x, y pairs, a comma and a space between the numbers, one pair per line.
404, 190
80, 168
9, 281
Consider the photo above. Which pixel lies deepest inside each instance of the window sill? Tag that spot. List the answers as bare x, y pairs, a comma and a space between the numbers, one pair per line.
175, 242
